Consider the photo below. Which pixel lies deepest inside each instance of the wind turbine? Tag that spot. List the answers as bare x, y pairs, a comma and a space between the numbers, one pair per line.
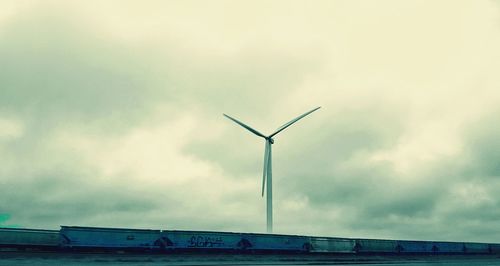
268, 162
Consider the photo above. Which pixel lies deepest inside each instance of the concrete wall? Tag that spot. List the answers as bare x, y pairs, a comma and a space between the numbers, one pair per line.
74, 237
332, 245
375, 246
409, 246
201, 240
477, 248
448, 247
87, 237
29, 237
194, 240
495, 248
268, 242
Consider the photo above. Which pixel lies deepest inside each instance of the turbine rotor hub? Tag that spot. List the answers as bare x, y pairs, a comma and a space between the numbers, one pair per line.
271, 140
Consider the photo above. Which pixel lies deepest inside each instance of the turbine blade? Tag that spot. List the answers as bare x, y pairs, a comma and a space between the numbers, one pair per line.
292, 121
245, 126
264, 175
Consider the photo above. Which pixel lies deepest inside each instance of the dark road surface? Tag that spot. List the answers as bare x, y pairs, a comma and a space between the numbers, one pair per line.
74, 259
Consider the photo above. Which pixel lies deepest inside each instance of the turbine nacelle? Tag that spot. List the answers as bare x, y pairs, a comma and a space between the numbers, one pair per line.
271, 140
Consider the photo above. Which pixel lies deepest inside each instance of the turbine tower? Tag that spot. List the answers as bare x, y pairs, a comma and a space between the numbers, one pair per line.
268, 173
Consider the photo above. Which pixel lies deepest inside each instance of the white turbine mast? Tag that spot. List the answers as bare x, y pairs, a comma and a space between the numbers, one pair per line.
268, 173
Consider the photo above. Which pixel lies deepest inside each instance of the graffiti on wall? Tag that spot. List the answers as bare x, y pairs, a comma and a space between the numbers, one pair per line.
199, 241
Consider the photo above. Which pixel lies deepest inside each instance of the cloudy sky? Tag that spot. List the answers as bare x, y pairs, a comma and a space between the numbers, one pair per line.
111, 115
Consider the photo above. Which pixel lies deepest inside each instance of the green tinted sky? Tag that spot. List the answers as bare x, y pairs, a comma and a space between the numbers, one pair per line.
111, 115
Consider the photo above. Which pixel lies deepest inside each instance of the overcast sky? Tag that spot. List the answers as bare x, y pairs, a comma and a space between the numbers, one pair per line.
111, 115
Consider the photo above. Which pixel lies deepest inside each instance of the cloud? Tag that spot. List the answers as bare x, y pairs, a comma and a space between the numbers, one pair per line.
59, 70
377, 200
10, 128
111, 115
